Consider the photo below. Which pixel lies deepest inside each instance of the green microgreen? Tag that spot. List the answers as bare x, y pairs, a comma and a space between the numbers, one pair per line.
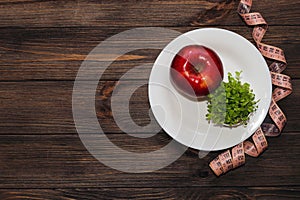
232, 102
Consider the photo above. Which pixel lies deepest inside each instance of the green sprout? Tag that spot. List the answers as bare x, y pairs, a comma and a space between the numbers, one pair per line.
231, 103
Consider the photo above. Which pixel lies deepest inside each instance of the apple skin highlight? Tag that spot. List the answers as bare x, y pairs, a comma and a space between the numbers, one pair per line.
196, 71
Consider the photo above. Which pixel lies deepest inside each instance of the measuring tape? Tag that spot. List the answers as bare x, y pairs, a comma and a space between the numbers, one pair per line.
283, 87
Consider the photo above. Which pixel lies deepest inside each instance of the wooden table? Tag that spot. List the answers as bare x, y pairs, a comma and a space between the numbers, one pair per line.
42, 46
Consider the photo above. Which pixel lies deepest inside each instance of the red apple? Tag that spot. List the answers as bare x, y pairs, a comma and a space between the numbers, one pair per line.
196, 71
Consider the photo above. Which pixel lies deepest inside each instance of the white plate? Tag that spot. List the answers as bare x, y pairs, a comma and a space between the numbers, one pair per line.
183, 119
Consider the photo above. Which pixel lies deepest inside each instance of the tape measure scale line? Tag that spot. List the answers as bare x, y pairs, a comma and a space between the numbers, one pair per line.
230, 160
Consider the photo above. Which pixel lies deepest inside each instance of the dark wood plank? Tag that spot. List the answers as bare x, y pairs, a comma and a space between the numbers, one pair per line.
57, 53
57, 13
265, 193
63, 162
46, 107
42, 45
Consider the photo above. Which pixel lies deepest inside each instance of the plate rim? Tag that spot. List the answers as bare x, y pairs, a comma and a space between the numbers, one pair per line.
211, 29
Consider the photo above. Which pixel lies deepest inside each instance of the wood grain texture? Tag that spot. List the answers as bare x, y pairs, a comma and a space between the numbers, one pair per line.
56, 13
57, 53
62, 161
42, 45
46, 107
205, 193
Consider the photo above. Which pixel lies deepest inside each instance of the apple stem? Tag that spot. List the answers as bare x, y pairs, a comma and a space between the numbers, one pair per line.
198, 68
